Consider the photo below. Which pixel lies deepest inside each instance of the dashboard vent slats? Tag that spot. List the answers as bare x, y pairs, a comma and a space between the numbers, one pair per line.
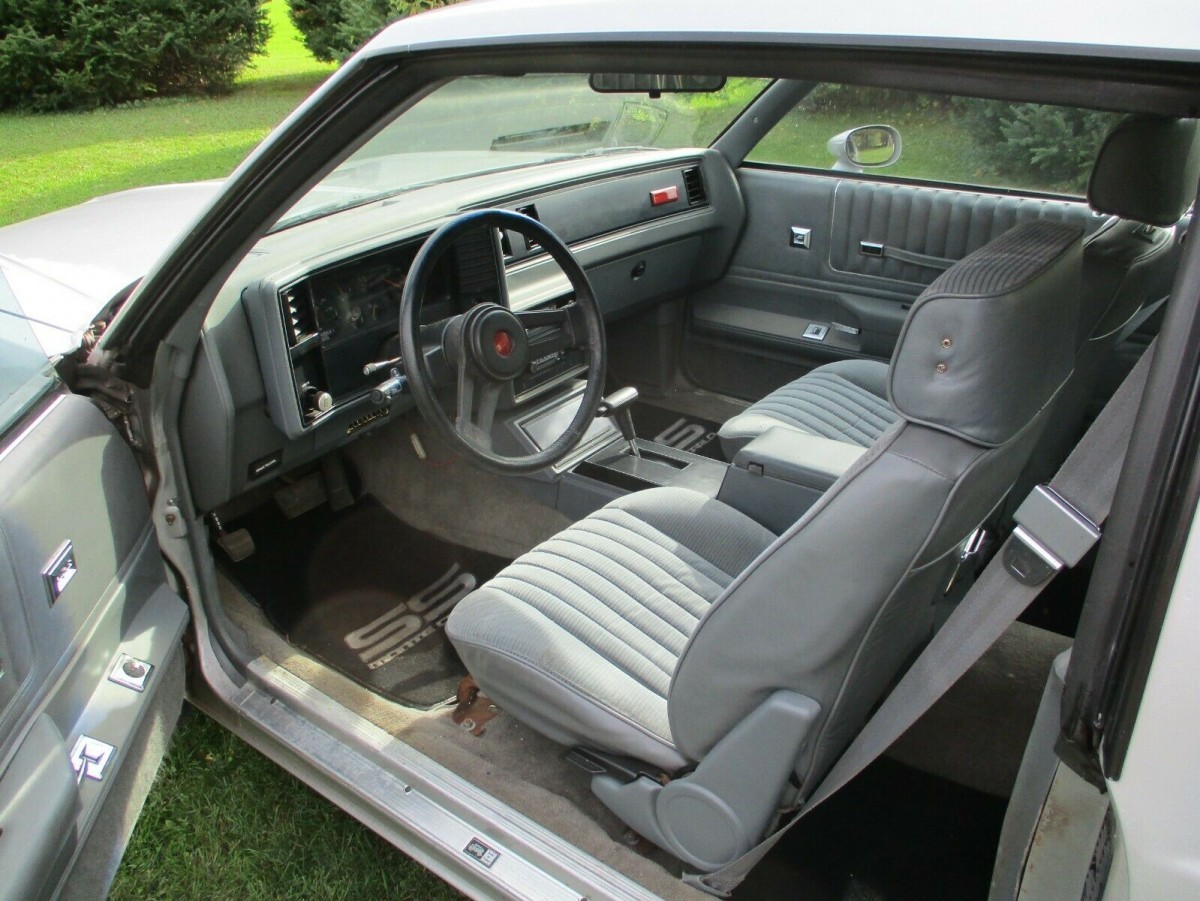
297, 316
693, 182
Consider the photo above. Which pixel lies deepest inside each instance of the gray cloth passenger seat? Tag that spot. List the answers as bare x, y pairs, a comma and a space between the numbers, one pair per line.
1145, 178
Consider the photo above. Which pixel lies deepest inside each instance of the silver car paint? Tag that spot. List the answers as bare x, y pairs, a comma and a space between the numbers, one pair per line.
65, 266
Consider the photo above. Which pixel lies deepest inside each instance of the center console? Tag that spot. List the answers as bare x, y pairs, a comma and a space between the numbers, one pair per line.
779, 475
610, 461
774, 479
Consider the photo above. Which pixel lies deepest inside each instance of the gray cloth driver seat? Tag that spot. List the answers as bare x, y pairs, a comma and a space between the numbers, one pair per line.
670, 628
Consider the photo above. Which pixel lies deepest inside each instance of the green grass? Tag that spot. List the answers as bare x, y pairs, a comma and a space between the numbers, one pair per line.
223, 822
52, 161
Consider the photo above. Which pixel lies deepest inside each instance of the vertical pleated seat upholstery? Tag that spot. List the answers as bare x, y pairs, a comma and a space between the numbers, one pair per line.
843, 401
603, 611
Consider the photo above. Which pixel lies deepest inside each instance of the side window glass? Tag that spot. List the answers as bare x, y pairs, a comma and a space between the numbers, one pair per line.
25, 373
943, 138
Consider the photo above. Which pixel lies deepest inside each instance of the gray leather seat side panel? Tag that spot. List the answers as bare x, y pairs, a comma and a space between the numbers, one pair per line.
593, 621
792, 619
843, 401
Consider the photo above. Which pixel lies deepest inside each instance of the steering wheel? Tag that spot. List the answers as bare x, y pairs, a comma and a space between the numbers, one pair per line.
482, 351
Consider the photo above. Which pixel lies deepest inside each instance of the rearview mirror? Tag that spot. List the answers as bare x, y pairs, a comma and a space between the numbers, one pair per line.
630, 83
865, 147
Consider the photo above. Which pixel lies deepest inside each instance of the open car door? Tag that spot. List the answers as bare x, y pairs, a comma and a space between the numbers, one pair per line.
91, 662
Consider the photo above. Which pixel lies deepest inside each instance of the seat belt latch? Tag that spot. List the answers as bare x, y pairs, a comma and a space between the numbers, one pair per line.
1051, 535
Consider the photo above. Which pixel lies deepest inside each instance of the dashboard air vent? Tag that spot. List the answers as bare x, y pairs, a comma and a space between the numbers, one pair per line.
297, 315
531, 244
693, 183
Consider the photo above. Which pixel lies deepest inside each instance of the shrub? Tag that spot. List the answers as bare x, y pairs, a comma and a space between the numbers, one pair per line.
334, 29
64, 54
1056, 144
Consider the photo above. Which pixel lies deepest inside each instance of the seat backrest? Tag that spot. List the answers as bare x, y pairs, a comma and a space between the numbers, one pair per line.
1144, 177
838, 604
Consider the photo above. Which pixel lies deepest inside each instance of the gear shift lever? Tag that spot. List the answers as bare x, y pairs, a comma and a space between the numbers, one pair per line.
618, 407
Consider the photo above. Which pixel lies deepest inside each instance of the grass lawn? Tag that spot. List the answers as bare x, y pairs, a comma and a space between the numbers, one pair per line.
223, 822
52, 161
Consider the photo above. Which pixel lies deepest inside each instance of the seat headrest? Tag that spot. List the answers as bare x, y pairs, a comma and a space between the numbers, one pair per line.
987, 345
1146, 170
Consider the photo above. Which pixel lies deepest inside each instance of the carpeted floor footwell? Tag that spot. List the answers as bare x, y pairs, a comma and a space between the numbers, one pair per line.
365, 593
893, 834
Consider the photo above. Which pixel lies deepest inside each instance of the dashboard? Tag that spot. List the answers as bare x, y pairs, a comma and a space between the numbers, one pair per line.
339, 319
278, 379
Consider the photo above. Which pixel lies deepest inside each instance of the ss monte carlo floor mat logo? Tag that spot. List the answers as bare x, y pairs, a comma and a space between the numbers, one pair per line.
365, 593
685, 433
407, 624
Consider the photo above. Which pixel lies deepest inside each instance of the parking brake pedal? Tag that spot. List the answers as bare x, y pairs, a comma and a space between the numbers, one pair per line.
238, 544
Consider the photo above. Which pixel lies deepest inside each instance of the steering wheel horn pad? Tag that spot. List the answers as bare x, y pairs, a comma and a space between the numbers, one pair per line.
496, 342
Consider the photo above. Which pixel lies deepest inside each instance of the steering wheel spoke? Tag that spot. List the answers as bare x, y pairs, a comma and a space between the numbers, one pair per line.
477, 401
432, 341
557, 329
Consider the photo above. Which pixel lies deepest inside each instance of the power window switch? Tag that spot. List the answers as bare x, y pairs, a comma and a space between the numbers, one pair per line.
816, 331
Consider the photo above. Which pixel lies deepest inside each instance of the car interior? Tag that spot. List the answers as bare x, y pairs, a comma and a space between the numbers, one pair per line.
622, 475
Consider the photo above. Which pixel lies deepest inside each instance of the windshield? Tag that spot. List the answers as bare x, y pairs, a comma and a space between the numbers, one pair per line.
25, 373
488, 123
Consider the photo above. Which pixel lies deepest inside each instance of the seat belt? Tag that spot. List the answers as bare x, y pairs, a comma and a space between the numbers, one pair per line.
1056, 525
1139, 318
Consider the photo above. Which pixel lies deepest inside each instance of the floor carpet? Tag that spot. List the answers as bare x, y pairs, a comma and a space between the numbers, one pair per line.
893, 834
365, 593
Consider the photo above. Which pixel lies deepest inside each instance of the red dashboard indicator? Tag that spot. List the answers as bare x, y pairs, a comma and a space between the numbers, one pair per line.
664, 195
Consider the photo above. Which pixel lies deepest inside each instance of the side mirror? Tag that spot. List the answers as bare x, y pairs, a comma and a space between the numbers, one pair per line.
865, 147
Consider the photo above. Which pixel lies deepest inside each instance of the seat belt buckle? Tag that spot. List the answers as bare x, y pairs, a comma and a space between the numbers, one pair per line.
1051, 535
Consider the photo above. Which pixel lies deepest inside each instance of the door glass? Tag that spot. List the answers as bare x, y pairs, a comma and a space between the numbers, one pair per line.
25, 373
945, 138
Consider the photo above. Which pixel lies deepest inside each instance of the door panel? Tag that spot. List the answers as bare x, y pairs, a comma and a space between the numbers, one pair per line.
872, 247
81, 584
37, 799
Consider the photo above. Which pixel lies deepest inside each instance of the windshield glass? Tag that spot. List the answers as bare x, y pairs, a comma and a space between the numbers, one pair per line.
25, 373
488, 123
